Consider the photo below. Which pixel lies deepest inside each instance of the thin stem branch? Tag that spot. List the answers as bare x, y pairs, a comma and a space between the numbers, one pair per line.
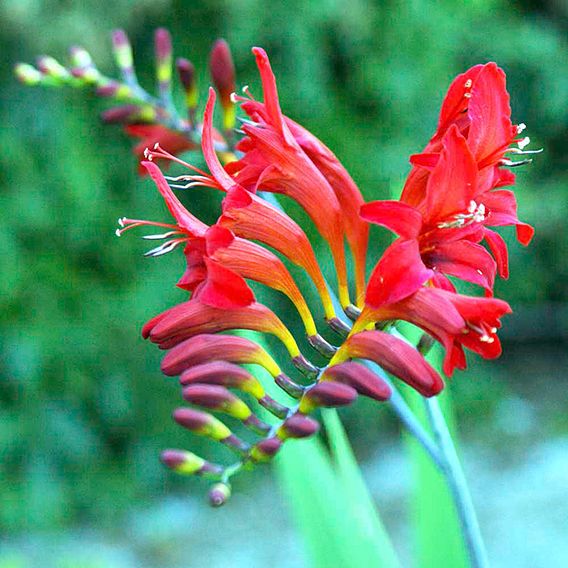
457, 484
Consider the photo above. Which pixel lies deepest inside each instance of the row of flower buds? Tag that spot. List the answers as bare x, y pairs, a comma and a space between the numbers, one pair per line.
451, 198
152, 118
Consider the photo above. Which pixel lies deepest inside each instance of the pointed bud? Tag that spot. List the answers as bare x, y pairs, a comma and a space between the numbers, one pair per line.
163, 49
186, 73
289, 386
322, 346
223, 374
121, 114
219, 494
327, 394
27, 74
208, 347
80, 57
361, 378
201, 423
223, 75
273, 406
297, 426
122, 50
305, 366
187, 463
265, 450
217, 398
52, 68
114, 89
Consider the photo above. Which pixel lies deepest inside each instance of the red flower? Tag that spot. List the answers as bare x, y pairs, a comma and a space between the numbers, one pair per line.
274, 161
455, 320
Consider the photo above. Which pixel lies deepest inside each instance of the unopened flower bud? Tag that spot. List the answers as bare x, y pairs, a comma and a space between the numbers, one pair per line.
265, 450
361, 378
322, 346
297, 426
27, 74
327, 394
219, 494
201, 423
114, 89
186, 73
223, 374
163, 49
80, 57
187, 463
223, 75
120, 114
305, 367
122, 50
51, 67
217, 398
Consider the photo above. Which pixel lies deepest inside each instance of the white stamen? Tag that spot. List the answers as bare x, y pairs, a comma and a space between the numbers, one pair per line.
162, 236
467, 95
468, 83
234, 98
118, 233
472, 206
521, 127
163, 249
121, 221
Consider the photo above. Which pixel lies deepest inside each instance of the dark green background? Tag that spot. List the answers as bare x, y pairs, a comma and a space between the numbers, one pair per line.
84, 410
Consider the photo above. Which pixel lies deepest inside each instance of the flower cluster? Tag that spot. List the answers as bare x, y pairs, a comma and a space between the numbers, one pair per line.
451, 198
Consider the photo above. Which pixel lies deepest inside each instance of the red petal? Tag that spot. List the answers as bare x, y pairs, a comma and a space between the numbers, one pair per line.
465, 260
498, 248
398, 274
400, 218
491, 130
183, 217
361, 378
223, 288
502, 210
451, 185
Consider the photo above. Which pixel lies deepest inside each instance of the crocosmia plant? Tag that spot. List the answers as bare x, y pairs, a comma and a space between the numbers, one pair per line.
445, 231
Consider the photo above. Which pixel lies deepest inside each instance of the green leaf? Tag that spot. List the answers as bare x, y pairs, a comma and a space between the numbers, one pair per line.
330, 503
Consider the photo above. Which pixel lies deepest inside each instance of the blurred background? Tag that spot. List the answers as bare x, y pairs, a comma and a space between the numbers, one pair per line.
84, 410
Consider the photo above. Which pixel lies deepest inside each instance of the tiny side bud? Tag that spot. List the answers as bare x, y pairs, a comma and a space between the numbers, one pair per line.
219, 494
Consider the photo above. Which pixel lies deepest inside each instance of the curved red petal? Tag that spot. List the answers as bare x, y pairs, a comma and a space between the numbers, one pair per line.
402, 219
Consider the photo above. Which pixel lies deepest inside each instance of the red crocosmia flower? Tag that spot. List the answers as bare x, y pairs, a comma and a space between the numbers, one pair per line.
217, 261
152, 134
345, 189
455, 320
477, 105
274, 161
447, 225
194, 317
252, 218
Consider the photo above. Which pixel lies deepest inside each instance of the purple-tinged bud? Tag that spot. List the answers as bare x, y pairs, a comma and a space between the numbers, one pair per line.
210, 347
201, 423
220, 493
122, 49
223, 374
188, 463
222, 72
327, 394
114, 89
186, 73
361, 378
27, 74
265, 450
217, 398
297, 426
80, 57
120, 114
163, 49
51, 67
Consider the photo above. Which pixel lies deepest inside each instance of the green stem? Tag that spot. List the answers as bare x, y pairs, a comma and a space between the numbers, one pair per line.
457, 483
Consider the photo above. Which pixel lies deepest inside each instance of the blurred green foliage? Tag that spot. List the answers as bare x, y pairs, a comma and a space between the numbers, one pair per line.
84, 410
